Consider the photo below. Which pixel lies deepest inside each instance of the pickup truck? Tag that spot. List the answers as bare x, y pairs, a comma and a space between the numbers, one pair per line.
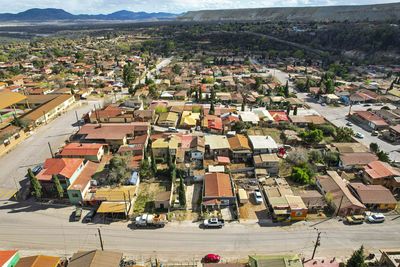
355, 219
214, 223
150, 220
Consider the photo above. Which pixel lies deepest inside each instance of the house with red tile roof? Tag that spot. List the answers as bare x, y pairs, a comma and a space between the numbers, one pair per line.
217, 191
369, 120
92, 152
110, 114
66, 169
279, 116
381, 173
212, 124
9, 258
113, 134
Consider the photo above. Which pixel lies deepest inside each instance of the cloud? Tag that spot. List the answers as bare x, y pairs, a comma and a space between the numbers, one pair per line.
175, 6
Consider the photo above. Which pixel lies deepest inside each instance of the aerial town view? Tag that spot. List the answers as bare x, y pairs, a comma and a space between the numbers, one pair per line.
207, 133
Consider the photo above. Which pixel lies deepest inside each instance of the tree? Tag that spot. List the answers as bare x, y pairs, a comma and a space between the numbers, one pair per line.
331, 158
295, 111
383, 156
35, 184
176, 69
286, 92
145, 169
312, 136
181, 192
118, 171
57, 186
357, 259
344, 134
316, 156
128, 75
374, 148
212, 108
300, 175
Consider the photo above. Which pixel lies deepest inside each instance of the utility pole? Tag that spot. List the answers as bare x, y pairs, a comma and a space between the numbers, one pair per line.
340, 205
317, 244
77, 120
101, 240
51, 151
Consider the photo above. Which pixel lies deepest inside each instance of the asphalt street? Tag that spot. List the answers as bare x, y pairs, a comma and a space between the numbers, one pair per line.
44, 229
35, 150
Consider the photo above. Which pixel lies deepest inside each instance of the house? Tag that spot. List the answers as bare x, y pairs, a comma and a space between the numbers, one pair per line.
40, 261
322, 263
35, 101
314, 201
357, 160
263, 144
240, 148
270, 162
110, 114
193, 147
218, 191
79, 187
279, 116
217, 145
113, 134
369, 120
49, 110
275, 261
381, 173
330, 98
338, 195
168, 119
163, 200
389, 258
66, 169
165, 146
374, 197
92, 152
393, 135
189, 120
147, 115
249, 117
212, 124
9, 258
96, 258
390, 116
284, 204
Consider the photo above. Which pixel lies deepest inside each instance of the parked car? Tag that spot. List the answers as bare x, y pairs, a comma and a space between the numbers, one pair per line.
375, 133
214, 223
376, 218
89, 217
349, 124
355, 219
77, 213
37, 169
172, 130
359, 135
211, 258
258, 197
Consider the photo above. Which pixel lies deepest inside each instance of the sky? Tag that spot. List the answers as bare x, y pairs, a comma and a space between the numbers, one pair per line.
173, 6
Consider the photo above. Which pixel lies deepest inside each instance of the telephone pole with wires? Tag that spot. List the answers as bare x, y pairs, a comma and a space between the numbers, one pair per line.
317, 243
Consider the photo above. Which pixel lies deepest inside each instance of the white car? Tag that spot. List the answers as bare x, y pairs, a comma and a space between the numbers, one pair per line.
258, 197
376, 218
359, 135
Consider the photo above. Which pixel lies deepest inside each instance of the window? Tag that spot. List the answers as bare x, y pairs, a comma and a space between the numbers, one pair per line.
75, 195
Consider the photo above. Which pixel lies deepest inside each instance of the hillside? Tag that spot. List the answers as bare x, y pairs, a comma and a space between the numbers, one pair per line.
379, 12
51, 14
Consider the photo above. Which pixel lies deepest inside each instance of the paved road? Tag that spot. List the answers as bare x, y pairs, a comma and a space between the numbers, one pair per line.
35, 150
47, 230
337, 116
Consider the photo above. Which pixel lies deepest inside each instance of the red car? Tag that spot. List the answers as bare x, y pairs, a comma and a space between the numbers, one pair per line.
211, 258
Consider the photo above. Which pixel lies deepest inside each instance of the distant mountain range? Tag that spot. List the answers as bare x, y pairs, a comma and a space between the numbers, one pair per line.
380, 12
52, 14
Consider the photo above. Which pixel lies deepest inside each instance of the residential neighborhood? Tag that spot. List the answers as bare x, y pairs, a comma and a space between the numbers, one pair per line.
100, 134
